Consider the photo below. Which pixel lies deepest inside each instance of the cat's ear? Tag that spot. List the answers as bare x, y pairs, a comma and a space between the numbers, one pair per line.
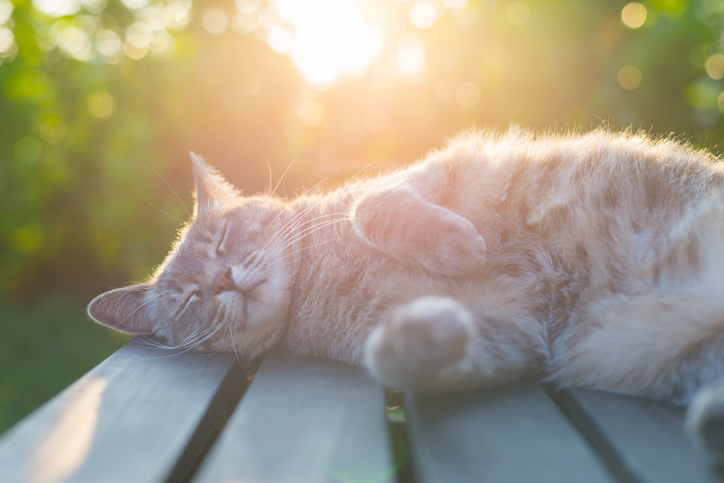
212, 190
125, 309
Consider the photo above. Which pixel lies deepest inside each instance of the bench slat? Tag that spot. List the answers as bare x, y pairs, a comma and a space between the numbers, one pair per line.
513, 433
142, 415
644, 439
304, 420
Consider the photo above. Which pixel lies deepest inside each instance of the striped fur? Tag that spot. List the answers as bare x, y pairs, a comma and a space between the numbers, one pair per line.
591, 260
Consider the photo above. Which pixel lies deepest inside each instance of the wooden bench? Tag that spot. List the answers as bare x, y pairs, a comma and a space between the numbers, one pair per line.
148, 415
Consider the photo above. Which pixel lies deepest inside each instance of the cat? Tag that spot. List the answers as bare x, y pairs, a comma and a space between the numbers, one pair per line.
593, 260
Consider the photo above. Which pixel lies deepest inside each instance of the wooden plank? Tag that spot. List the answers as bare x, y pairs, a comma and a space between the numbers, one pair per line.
142, 415
513, 433
304, 420
642, 439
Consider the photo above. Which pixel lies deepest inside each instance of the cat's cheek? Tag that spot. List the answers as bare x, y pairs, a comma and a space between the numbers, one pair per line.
267, 307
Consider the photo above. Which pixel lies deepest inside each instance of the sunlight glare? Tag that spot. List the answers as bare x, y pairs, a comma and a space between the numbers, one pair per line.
330, 38
65, 447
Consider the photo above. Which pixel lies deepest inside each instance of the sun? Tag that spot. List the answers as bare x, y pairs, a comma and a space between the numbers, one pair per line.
328, 39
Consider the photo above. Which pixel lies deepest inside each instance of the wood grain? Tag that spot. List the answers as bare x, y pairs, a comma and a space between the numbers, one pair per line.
304, 420
513, 433
143, 415
643, 440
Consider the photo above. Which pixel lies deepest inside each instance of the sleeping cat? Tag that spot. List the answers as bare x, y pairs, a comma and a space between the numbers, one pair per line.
592, 260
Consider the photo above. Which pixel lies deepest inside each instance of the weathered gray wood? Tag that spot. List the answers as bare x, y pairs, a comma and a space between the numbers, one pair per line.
508, 434
642, 439
304, 420
142, 415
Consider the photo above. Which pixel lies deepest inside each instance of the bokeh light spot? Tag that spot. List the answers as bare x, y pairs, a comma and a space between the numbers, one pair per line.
280, 39
247, 6
135, 4
517, 13
6, 10
176, 14
455, 4
629, 77
215, 21
138, 38
7, 40
57, 8
28, 238
468, 15
422, 15
720, 101
634, 15
75, 42
309, 111
377, 120
110, 46
703, 94
714, 66
52, 131
101, 104
411, 56
467, 95
245, 23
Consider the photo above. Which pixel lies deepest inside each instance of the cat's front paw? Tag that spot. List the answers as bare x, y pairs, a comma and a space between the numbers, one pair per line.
454, 247
705, 417
419, 342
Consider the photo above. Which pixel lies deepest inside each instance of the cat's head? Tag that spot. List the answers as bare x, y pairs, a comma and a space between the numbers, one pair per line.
226, 285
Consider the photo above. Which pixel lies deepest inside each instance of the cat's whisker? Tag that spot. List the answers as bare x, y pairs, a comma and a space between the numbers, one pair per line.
297, 221
283, 240
276, 249
273, 192
305, 248
304, 194
164, 212
173, 190
298, 218
193, 346
279, 250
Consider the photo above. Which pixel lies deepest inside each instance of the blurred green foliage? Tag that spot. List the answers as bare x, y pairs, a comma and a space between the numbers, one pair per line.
100, 102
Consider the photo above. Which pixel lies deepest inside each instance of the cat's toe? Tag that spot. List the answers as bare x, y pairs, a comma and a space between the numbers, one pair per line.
420, 340
705, 417
458, 250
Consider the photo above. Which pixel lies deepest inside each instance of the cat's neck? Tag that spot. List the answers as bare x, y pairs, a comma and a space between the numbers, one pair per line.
323, 231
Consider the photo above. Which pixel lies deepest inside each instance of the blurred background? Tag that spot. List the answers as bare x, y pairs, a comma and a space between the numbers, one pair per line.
101, 101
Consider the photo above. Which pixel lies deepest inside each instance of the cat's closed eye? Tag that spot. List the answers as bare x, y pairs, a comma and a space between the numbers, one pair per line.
221, 245
195, 295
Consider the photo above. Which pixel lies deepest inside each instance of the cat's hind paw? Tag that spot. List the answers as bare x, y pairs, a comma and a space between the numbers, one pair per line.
705, 417
420, 342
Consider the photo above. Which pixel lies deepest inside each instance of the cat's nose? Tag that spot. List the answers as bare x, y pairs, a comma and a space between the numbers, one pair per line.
223, 281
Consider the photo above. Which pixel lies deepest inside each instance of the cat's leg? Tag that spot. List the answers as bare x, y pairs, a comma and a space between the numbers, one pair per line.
705, 416
434, 343
401, 223
661, 345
